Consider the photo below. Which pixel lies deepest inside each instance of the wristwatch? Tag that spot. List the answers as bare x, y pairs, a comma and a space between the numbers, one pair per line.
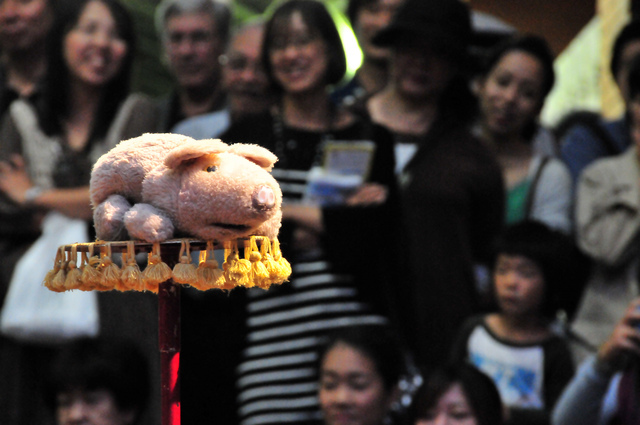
32, 194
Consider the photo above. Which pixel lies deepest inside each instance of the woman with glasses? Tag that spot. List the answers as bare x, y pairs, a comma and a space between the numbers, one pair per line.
327, 205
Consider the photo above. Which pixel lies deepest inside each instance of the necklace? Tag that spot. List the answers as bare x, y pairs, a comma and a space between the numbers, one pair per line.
282, 145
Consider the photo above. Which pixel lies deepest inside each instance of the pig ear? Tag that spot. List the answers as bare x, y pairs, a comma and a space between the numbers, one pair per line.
193, 149
254, 153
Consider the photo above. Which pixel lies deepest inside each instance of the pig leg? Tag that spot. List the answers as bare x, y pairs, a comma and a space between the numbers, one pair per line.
108, 218
147, 223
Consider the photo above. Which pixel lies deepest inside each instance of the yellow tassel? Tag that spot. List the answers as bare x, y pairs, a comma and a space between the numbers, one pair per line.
283, 268
51, 274
91, 277
209, 275
74, 274
156, 271
110, 271
196, 281
230, 256
84, 263
131, 277
60, 278
119, 285
185, 271
238, 271
227, 283
267, 259
259, 273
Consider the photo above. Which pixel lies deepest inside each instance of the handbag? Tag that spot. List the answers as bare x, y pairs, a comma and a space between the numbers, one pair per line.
33, 313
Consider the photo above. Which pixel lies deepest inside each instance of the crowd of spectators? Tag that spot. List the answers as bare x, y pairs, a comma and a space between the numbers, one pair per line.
472, 266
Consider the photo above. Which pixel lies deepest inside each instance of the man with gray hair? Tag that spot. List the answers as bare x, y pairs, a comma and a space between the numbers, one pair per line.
243, 80
194, 34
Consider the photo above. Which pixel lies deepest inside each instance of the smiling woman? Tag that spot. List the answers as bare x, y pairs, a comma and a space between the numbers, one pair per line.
94, 50
303, 57
49, 146
518, 75
298, 57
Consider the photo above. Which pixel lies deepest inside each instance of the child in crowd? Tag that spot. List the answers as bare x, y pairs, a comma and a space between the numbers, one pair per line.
516, 345
98, 381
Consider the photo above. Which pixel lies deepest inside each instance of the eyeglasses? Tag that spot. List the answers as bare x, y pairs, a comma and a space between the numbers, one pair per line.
298, 41
239, 62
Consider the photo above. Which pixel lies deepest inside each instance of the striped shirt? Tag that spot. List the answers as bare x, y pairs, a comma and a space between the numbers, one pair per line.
277, 378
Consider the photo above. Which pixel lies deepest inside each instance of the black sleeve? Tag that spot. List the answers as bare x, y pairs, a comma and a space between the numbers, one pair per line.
368, 220
488, 205
359, 239
558, 370
10, 137
459, 348
519, 416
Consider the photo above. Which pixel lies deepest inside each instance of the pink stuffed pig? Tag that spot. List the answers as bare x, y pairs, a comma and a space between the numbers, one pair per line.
159, 186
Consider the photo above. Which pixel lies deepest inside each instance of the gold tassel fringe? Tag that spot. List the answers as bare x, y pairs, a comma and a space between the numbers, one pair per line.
156, 271
262, 265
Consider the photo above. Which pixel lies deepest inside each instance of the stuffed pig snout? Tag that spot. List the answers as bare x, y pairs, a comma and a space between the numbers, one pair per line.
264, 198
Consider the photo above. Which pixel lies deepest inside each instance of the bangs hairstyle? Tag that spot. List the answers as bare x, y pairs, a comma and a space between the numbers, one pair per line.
89, 364
316, 17
56, 91
479, 390
534, 46
376, 342
530, 44
564, 267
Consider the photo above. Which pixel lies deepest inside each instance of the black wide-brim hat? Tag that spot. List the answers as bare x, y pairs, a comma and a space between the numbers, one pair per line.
444, 24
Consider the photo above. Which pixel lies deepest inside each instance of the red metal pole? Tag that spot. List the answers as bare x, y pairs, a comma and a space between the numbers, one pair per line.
169, 341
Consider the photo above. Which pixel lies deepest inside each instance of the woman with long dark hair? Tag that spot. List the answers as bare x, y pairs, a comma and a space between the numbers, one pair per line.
303, 57
47, 150
511, 89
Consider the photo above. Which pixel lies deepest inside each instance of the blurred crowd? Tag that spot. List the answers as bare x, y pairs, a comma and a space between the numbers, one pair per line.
472, 266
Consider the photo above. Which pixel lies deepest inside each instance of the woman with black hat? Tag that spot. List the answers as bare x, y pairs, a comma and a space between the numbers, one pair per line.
451, 191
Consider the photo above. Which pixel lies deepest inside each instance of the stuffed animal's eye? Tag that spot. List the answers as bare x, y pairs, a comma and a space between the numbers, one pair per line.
211, 169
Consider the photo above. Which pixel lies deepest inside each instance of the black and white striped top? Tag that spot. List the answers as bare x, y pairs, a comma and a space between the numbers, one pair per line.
277, 378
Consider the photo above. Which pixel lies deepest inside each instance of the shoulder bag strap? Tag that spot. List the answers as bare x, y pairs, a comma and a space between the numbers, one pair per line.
531, 194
